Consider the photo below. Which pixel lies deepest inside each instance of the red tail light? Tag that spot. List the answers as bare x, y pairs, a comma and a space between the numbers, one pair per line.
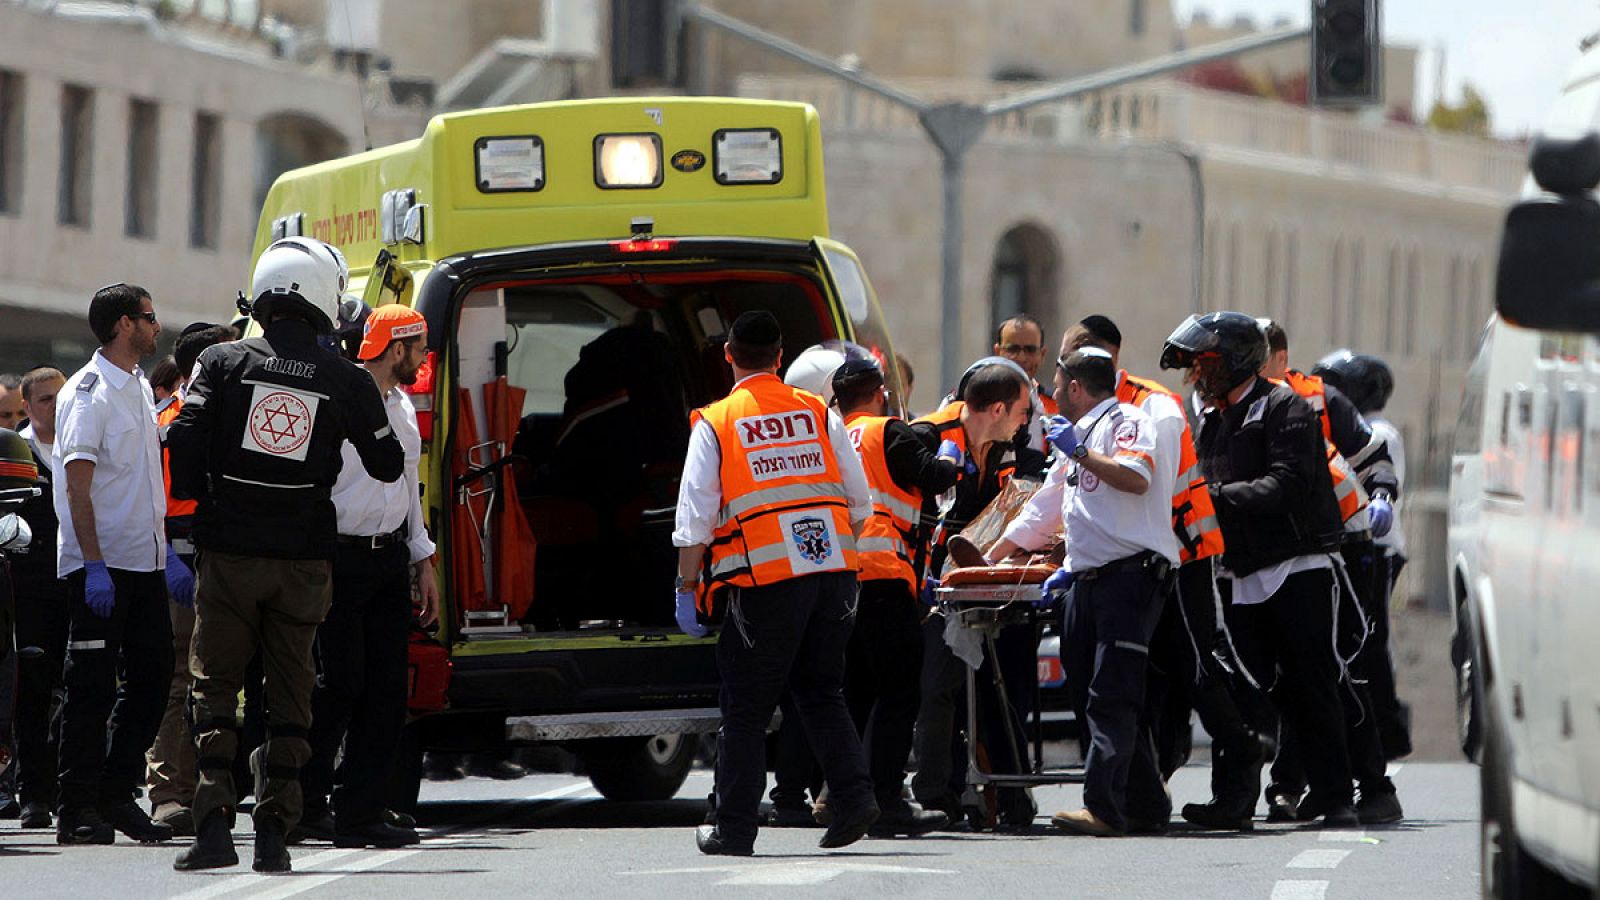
421, 392
649, 245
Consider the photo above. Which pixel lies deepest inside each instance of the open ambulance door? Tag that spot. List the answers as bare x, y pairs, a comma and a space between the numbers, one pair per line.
860, 305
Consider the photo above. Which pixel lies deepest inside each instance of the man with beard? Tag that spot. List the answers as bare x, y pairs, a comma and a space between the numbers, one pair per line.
113, 554
360, 697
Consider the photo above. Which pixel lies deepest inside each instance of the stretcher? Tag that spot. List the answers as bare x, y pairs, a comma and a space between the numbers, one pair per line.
986, 600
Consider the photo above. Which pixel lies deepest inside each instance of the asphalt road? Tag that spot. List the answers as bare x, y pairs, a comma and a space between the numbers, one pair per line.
552, 836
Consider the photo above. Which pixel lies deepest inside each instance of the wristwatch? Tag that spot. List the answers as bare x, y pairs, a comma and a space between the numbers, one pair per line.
1079, 452
683, 585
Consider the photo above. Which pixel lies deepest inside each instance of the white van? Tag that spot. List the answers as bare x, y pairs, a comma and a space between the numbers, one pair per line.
1525, 524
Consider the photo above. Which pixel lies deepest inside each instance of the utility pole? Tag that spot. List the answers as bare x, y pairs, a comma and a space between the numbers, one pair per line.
954, 128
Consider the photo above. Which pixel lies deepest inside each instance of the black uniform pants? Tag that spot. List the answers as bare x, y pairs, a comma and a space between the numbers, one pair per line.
116, 677
242, 604
1289, 637
793, 634
1106, 655
883, 681
795, 771
360, 697
41, 604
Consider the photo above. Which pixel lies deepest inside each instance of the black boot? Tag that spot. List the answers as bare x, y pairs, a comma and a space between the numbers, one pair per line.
212, 847
129, 819
1235, 778
83, 826
272, 856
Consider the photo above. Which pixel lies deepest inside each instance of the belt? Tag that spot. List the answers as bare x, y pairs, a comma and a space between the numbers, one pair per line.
374, 541
1148, 561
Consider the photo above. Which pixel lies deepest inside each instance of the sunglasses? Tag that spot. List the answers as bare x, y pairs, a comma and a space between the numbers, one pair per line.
147, 316
1021, 349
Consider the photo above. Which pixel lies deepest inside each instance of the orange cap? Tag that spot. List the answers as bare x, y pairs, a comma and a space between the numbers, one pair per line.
390, 322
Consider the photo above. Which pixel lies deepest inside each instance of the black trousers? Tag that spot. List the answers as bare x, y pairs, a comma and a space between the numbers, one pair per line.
360, 697
883, 676
795, 771
941, 755
793, 634
116, 676
1105, 652
41, 604
1289, 638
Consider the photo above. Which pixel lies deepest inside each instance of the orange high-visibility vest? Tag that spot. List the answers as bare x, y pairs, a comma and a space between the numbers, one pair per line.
1194, 517
1352, 498
885, 544
166, 417
784, 511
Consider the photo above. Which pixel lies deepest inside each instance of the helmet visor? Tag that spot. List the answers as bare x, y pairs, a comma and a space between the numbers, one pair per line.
1186, 343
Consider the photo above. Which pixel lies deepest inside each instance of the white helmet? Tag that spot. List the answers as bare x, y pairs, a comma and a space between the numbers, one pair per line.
813, 369
304, 271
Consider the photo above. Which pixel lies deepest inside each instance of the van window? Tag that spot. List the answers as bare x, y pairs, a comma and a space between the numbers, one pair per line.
613, 362
1469, 427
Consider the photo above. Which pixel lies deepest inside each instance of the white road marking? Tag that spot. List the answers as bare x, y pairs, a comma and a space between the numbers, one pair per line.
274, 886
1343, 836
1317, 859
793, 873
1299, 890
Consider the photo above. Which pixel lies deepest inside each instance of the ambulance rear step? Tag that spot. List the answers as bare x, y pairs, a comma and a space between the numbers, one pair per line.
632, 723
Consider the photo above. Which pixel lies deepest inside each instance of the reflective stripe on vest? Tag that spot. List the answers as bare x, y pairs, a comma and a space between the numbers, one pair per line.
895, 511
1194, 516
784, 512
1346, 488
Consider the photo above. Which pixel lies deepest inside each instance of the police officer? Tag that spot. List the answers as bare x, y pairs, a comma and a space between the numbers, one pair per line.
1112, 495
772, 499
1260, 447
113, 553
360, 697
1368, 383
257, 444
41, 607
170, 762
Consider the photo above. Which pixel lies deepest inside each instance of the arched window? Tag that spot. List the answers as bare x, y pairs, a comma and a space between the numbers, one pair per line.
288, 141
1024, 277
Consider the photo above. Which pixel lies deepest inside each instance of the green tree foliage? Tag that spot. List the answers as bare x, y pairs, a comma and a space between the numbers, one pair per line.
1470, 116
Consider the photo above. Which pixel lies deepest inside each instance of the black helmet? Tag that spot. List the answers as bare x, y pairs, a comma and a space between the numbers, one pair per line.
1233, 339
1365, 379
19, 476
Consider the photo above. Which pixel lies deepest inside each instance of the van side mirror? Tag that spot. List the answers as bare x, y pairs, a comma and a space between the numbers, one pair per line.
1549, 274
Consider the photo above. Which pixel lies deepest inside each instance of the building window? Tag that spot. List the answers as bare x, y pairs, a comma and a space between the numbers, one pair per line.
10, 142
144, 120
205, 199
74, 188
1024, 279
1413, 299
1136, 17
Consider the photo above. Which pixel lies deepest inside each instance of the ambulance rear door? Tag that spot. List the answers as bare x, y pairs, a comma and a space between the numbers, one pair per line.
859, 304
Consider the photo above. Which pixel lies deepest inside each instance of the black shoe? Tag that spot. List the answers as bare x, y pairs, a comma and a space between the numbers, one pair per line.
1379, 809
1219, 816
1342, 816
905, 818
10, 809
786, 816
272, 856
849, 825
212, 847
950, 805
498, 769
441, 768
711, 843
1138, 826
1283, 808
1017, 809
964, 553
83, 826
375, 834
131, 820
35, 815
175, 816
314, 826
399, 819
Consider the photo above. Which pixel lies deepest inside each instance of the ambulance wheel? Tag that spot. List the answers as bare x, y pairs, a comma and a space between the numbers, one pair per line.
638, 769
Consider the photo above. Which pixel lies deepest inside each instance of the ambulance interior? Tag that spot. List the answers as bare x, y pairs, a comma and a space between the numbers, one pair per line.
613, 362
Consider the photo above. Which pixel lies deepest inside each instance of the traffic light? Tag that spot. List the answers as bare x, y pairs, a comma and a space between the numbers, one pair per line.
646, 40
1346, 53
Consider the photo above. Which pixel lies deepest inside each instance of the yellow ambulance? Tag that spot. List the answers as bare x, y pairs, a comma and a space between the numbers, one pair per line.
578, 264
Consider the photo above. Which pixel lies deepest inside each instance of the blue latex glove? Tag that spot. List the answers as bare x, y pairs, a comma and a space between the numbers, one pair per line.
1380, 515
180, 580
98, 592
1060, 432
687, 622
1059, 581
929, 585
951, 451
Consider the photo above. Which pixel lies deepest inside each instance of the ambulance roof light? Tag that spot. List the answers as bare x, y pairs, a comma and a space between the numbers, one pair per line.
747, 155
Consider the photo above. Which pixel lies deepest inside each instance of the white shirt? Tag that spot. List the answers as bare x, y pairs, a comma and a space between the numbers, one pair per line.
1260, 585
107, 416
1103, 524
366, 506
1395, 540
1170, 425
700, 491
44, 451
